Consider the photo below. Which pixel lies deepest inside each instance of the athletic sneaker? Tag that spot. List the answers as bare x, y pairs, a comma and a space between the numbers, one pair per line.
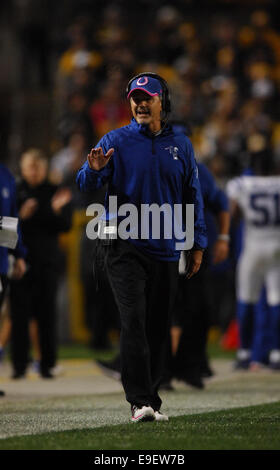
160, 416
145, 413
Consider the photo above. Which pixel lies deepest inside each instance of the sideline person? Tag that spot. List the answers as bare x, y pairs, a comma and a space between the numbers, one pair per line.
256, 197
8, 209
146, 163
45, 211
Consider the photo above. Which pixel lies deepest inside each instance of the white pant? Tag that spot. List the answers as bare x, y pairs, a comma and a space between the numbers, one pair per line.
259, 264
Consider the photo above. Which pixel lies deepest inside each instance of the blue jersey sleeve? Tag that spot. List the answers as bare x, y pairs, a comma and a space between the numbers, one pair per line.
90, 180
193, 195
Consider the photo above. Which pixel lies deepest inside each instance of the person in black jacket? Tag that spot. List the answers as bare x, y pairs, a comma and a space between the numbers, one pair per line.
45, 211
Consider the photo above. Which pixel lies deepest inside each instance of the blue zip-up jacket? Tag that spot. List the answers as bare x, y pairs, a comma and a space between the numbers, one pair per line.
147, 169
8, 208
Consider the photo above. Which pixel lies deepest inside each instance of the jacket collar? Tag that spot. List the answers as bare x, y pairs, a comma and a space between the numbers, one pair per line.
144, 129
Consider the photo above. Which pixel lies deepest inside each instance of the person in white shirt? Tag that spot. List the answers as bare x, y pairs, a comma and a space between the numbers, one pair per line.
258, 198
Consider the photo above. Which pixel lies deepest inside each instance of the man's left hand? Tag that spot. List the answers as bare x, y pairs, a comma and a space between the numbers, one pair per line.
194, 262
60, 199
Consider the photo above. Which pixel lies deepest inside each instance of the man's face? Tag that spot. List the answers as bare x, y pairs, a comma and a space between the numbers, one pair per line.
146, 109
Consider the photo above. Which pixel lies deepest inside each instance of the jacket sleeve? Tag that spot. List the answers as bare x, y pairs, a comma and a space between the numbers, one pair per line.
193, 195
88, 179
214, 198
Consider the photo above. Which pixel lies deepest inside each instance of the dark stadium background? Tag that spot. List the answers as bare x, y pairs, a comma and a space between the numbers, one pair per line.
221, 59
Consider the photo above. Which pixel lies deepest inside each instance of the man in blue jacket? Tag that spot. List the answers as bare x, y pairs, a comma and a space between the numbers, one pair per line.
146, 163
8, 209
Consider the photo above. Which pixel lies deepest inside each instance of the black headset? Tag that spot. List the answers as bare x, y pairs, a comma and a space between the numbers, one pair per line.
166, 104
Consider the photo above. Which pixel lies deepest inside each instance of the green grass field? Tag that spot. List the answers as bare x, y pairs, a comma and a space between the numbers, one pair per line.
237, 427
250, 428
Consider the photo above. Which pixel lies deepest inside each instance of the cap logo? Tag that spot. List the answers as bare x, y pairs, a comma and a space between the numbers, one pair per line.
142, 81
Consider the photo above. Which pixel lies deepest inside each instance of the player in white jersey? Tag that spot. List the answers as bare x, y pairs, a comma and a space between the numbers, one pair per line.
258, 198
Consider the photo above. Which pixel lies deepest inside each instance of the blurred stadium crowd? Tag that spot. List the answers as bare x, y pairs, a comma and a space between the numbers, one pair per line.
222, 63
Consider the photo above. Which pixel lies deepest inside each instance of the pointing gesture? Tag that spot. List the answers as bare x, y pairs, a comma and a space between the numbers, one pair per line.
97, 160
